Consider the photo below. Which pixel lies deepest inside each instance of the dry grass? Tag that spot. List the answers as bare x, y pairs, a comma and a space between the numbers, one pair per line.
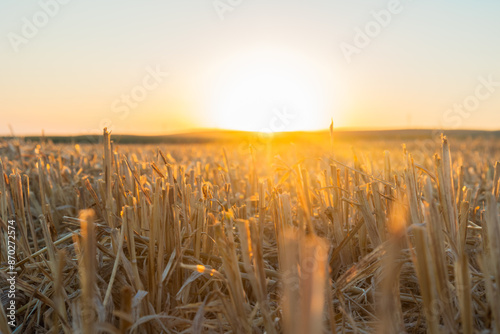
290, 238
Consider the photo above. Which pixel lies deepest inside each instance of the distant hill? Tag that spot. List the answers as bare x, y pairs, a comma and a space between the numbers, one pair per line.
211, 136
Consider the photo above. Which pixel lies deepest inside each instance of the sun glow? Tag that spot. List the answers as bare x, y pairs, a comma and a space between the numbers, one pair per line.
269, 91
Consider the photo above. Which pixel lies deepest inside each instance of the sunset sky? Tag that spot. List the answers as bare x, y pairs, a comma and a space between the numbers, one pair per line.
151, 67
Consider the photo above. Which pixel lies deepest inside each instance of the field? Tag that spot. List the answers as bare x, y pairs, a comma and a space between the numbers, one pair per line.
320, 233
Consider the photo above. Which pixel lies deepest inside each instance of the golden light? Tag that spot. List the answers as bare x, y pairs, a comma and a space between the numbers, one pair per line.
269, 91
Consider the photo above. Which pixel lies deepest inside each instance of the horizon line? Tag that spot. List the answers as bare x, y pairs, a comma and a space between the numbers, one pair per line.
195, 131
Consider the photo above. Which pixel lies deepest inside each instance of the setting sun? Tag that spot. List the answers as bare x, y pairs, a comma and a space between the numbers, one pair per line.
268, 91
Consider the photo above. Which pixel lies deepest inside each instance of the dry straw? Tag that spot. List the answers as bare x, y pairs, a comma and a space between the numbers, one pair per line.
303, 238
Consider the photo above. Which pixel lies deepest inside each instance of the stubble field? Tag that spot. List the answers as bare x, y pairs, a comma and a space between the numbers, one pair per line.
330, 235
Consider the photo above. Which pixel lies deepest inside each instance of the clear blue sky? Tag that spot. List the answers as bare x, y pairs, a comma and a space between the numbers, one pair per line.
74, 71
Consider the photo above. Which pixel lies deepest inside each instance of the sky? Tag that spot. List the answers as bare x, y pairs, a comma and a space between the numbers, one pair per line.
155, 67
